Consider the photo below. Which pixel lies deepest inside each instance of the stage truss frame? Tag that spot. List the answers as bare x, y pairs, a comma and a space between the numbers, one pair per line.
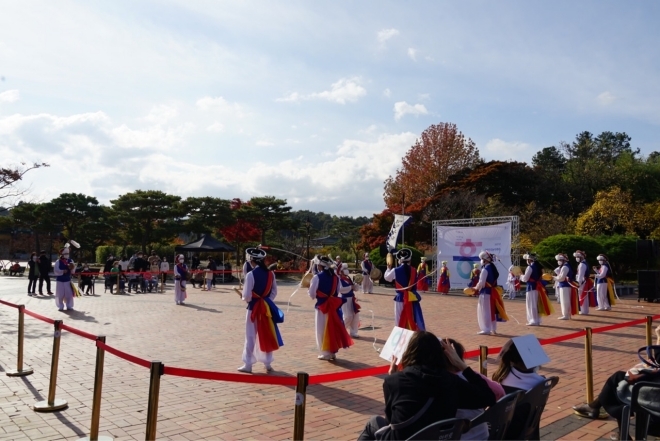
478, 222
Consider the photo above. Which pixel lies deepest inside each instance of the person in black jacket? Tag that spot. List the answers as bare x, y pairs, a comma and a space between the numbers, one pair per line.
45, 266
33, 274
423, 379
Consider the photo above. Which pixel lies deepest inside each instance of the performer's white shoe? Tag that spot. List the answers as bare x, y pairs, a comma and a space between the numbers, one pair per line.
483, 332
269, 368
245, 368
325, 357
563, 318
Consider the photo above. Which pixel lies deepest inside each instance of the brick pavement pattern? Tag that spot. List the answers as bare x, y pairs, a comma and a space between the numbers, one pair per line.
208, 334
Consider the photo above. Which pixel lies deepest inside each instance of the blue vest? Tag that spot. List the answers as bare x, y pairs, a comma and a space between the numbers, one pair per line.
587, 273
570, 277
368, 265
325, 286
491, 279
183, 270
247, 268
345, 283
402, 277
609, 273
64, 266
260, 280
537, 272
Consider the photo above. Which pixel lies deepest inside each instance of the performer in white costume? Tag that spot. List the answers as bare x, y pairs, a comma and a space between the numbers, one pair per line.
180, 280
367, 283
350, 310
585, 284
564, 278
63, 269
485, 286
603, 279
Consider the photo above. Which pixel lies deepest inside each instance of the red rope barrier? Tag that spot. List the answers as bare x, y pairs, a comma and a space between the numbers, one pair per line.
348, 375
8, 304
78, 332
223, 376
39, 317
128, 357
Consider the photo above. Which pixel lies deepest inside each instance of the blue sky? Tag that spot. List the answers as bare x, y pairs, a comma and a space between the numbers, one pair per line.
314, 102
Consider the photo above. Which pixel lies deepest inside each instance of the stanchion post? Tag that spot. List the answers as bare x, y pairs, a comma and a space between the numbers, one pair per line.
588, 361
53, 404
299, 409
154, 390
118, 274
649, 330
483, 356
96, 400
20, 372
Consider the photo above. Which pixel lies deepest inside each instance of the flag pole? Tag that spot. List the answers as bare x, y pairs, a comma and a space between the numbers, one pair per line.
403, 216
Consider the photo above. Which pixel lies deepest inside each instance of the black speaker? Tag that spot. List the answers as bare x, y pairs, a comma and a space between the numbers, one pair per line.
645, 250
383, 250
648, 282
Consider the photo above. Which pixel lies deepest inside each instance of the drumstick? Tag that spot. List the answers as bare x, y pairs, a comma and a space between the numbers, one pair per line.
238, 291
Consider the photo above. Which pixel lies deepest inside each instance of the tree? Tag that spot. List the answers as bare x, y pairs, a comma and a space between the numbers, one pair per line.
206, 214
267, 213
441, 151
147, 217
611, 213
549, 247
374, 234
549, 160
9, 178
241, 231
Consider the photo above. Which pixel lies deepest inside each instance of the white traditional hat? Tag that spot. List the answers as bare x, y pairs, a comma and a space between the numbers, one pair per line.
444, 262
602, 257
476, 265
485, 255
580, 253
561, 256
404, 255
366, 256
530, 256
324, 261
255, 254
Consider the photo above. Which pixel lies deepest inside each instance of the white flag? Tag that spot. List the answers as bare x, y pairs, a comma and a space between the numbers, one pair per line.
399, 221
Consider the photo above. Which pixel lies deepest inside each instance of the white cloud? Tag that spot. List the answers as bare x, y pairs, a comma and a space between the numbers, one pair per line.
386, 34
387, 93
161, 114
503, 149
424, 96
223, 106
263, 143
344, 90
429, 58
216, 127
412, 53
402, 108
10, 96
606, 98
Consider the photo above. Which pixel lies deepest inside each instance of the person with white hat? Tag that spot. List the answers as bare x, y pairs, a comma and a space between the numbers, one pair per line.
331, 335
350, 309
407, 310
180, 280
490, 306
443, 280
367, 283
422, 280
586, 296
339, 266
262, 317
512, 284
563, 279
474, 275
604, 284
536, 298
63, 269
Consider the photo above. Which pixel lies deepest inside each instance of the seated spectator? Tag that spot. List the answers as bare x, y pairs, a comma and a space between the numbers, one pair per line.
479, 432
424, 381
512, 373
612, 402
86, 280
14, 269
115, 275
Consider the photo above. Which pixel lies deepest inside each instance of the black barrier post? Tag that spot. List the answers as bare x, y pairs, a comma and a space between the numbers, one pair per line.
53, 404
299, 409
154, 390
20, 372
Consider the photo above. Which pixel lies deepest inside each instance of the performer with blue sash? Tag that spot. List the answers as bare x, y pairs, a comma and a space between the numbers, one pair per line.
586, 295
331, 335
180, 280
350, 309
407, 310
564, 278
367, 283
490, 308
262, 337
63, 269
604, 284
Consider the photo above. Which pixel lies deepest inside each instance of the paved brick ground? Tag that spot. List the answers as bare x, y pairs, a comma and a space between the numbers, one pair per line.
207, 334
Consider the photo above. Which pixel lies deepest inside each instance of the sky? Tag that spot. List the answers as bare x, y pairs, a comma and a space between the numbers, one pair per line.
312, 102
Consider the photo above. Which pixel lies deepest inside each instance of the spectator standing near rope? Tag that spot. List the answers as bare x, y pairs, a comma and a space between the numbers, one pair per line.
44, 269
33, 274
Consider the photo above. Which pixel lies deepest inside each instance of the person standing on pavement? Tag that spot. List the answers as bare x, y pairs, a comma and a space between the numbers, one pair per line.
63, 269
407, 308
564, 278
33, 274
350, 309
164, 269
367, 283
262, 337
44, 269
180, 278
604, 284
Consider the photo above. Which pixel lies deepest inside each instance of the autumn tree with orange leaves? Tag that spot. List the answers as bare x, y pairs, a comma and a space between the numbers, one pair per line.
441, 151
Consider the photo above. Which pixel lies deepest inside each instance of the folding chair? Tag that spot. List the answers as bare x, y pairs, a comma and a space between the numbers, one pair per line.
644, 403
446, 429
499, 415
529, 409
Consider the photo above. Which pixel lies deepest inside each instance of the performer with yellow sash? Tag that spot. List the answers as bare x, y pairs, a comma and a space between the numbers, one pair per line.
443, 279
604, 284
407, 310
586, 296
490, 308
422, 280
474, 275
262, 336
331, 335
567, 290
536, 302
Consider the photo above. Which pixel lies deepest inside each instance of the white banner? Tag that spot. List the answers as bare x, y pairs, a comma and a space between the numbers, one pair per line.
399, 221
460, 247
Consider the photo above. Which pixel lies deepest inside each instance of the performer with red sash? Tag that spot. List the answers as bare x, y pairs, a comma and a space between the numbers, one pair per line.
443, 279
367, 283
180, 280
63, 269
490, 309
350, 309
586, 295
567, 290
604, 284
407, 310
474, 275
512, 284
262, 336
422, 280
536, 302
331, 335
